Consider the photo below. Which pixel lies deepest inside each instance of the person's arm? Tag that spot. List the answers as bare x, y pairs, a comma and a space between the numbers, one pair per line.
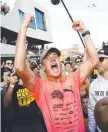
92, 59
85, 56
8, 95
91, 104
22, 69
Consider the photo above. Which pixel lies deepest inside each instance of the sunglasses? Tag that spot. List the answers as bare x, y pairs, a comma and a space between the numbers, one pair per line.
101, 59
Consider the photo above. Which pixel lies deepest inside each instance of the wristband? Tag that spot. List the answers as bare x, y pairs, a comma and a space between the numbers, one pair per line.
85, 33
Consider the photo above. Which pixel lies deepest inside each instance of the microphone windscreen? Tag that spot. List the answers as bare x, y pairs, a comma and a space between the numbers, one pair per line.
55, 2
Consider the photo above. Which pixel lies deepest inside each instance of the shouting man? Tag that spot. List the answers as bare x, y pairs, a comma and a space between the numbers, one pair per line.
58, 95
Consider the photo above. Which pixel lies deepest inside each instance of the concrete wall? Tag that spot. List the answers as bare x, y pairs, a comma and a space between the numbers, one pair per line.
12, 21
7, 49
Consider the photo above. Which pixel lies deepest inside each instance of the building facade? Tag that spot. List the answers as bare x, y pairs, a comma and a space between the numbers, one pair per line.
39, 31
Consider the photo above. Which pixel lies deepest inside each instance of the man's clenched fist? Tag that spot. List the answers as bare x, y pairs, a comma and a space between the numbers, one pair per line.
79, 26
27, 20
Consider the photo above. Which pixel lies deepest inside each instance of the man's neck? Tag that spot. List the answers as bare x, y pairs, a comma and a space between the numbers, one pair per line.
69, 72
57, 79
105, 75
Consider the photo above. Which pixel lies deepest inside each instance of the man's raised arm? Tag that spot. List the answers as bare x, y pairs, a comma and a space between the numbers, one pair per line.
20, 55
92, 59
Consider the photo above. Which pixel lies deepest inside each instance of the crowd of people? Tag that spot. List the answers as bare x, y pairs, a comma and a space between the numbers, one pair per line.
44, 94
4, 8
30, 47
18, 107
9, 76
36, 49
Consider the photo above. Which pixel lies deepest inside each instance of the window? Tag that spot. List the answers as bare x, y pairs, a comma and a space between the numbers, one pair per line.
32, 24
21, 15
40, 19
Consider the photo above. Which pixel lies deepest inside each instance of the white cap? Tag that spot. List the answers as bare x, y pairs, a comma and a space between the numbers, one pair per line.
46, 51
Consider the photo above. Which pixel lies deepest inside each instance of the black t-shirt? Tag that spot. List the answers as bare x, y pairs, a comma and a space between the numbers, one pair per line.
26, 111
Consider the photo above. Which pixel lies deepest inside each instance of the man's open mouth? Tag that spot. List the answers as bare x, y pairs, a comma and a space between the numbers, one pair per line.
54, 67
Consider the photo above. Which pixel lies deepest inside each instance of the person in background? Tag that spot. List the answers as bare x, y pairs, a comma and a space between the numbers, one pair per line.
28, 59
83, 91
9, 64
5, 75
101, 114
12, 80
84, 102
4, 40
26, 116
35, 69
6, 112
78, 60
77, 63
98, 88
75, 67
68, 67
41, 48
7, 8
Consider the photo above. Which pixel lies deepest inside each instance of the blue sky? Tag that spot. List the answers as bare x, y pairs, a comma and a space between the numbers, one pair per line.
95, 19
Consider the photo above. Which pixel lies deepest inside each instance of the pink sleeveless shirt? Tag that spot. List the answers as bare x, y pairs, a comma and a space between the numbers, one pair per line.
60, 104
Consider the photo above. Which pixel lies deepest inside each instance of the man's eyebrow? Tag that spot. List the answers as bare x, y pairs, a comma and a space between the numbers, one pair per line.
52, 54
